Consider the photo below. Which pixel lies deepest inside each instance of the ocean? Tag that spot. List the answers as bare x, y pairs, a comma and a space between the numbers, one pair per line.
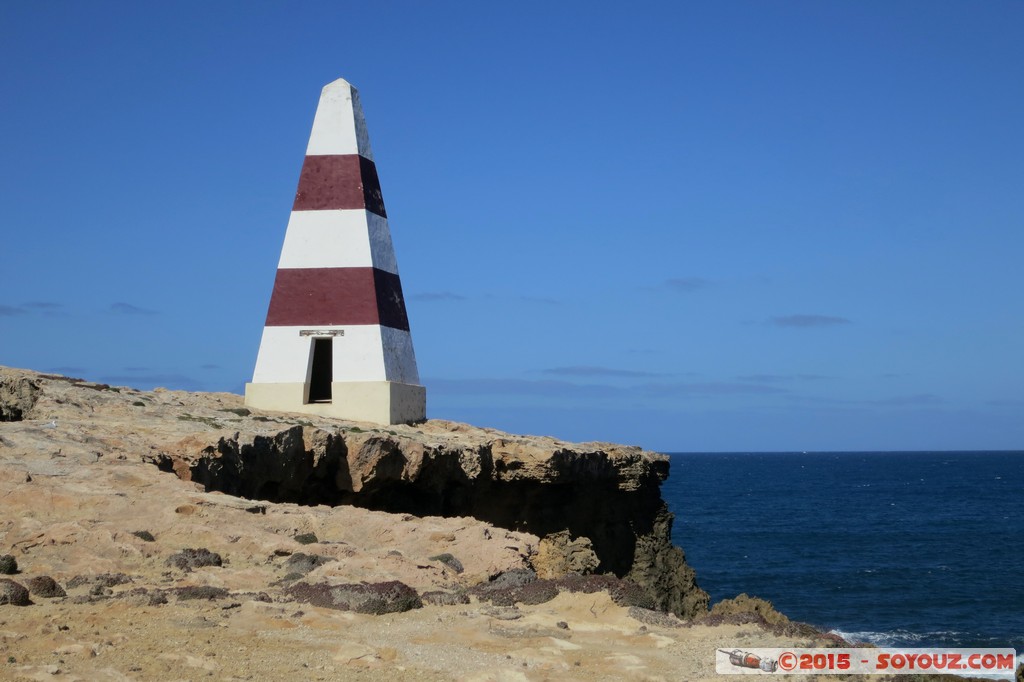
905, 549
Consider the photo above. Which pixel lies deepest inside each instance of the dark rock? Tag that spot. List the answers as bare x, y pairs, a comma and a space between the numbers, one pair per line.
562, 625
8, 565
13, 593
518, 586
141, 596
372, 598
306, 538
449, 561
200, 592
517, 577
304, 563
622, 592
188, 559
144, 535
45, 586
442, 598
103, 579
660, 568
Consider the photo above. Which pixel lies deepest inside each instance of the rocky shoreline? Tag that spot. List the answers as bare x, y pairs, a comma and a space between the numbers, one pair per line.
174, 535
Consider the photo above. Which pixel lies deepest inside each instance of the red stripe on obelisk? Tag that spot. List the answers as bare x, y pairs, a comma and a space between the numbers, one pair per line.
333, 296
339, 181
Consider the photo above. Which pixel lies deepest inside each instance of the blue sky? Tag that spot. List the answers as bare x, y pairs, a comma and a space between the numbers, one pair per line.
739, 225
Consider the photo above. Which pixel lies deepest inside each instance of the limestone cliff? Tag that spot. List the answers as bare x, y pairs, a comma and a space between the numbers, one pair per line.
595, 498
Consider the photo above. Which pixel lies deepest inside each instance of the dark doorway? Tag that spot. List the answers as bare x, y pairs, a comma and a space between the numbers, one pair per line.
322, 372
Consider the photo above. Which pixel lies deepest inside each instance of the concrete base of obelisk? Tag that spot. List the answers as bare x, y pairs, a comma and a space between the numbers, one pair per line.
380, 402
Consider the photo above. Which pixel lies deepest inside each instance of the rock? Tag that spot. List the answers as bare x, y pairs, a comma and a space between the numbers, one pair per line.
45, 586
188, 559
13, 593
660, 567
558, 555
519, 586
18, 395
761, 609
200, 592
444, 598
657, 618
373, 598
306, 538
8, 565
102, 580
144, 535
449, 561
301, 564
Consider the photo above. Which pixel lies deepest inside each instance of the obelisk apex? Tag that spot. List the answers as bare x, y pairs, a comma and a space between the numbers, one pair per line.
336, 341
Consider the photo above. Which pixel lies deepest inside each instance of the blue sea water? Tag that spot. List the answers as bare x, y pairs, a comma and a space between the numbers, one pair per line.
893, 548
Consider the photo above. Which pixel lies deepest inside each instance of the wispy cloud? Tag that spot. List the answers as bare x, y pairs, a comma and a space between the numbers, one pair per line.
915, 400
710, 388
520, 387
687, 284
129, 309
48, 308
595, 371
808, 321
780, 378
909, 400
428, 296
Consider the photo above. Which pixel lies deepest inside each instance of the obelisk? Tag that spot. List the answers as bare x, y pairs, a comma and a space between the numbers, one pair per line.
336, 341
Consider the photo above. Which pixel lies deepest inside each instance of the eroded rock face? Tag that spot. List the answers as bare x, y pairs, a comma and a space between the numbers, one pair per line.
598, 507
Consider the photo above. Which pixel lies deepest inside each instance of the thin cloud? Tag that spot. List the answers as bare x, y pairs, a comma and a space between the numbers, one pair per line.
712, 388
687, 284
437, 296
521, 387
808, 321
780, 378
910, 400
45, 307
129, 309
595, 371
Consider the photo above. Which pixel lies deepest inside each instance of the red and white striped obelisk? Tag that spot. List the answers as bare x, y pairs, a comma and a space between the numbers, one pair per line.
336, 341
